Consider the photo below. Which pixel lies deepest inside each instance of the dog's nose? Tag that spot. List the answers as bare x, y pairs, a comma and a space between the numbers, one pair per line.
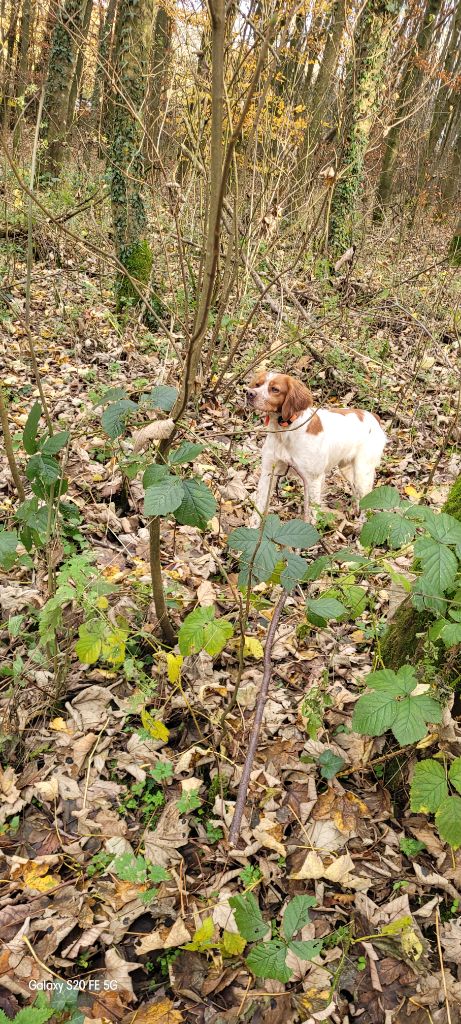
250, 394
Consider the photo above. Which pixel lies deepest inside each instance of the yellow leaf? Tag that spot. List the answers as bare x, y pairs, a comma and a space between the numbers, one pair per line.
203, 937
157, 730
160, 1012
397, 926
102, 603
174, 662
411, 944
36, 877
412, 492
357, 636
253, 647
232, 943
59, 725
113, 646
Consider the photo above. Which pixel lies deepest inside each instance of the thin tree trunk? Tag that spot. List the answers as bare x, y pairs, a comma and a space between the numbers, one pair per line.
21, 82
8, 42
132, 38
411, 79
363, 84
323, 85
160, 50
99, 99
61, 67
77, 77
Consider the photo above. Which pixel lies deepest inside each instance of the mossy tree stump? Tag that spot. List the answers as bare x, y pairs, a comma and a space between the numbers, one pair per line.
406, 635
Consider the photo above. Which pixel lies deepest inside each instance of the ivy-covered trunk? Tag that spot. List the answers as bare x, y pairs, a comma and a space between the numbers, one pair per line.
60, 72
363, 86
411, 80
132, 40
102, 67
404, 640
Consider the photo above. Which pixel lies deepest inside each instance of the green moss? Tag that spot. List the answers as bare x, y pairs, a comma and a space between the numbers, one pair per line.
138, 260
453, 502
455, 251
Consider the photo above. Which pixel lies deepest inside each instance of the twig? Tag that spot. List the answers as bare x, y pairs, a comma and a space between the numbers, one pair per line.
254, 738
442, 970
9, 448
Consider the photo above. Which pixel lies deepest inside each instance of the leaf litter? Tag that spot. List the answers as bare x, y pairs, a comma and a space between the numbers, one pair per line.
94, 796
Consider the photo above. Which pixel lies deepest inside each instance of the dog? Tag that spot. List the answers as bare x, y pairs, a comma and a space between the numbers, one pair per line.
311, 441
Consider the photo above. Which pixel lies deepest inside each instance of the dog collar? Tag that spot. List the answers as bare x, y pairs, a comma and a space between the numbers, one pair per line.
281, 423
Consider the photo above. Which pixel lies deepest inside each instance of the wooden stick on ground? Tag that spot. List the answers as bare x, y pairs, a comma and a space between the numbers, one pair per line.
234, 831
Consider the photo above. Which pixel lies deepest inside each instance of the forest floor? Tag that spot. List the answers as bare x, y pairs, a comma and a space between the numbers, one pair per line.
87, 783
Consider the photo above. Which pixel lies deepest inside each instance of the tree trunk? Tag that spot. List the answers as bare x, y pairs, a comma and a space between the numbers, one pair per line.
60, 71
455, 244
21, 82
323, 85
101, 73
362, 84
402, 642
8, 42
411, 79
77, 78
160, 51
132, 39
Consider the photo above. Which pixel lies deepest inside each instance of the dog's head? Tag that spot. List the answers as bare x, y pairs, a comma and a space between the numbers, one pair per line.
278, 393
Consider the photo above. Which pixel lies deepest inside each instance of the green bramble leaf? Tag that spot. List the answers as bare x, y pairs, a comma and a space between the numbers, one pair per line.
267, 960
201, 631
455, 774
198, 504
186, 452
448, 821
439, 565
429, 787
248, 917
114, 417
381, 498
89, 645
296, 534
8, 545
326, 607
296, 915
306, 950
203, 937
164, 497
391, 705
163, 397
444, 528
55, 443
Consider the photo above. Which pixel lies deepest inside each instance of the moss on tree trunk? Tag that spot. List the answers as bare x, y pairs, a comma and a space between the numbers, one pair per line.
363, 84
58, 84
406, 635
132, 40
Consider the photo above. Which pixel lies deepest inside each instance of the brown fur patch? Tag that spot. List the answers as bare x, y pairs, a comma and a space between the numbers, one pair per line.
259, 379
347, 412
315, 425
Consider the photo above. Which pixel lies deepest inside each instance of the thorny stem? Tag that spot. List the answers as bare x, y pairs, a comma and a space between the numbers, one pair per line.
234, 831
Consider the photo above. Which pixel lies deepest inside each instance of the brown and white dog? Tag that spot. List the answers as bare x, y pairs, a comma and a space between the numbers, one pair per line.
312, 441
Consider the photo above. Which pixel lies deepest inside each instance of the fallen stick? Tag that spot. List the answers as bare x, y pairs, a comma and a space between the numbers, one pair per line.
240, 803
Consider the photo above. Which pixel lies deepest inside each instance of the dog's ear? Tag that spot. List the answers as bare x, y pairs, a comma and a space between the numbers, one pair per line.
297, 398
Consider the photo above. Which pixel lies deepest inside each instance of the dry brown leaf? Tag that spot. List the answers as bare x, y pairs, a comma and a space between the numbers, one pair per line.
164, 938
119, 970
161, 845
312, 867
156, 430
344, 809
160, 1012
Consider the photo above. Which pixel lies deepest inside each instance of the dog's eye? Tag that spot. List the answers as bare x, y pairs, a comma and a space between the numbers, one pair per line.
275, 390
